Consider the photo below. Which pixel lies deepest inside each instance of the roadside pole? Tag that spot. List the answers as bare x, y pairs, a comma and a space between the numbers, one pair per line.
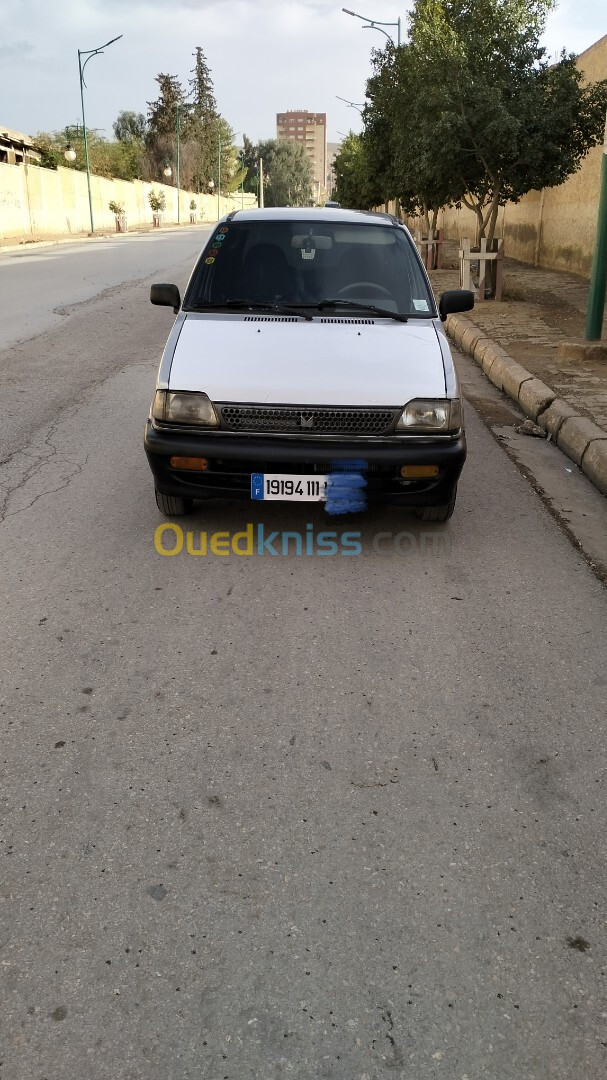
261, 182
598, 276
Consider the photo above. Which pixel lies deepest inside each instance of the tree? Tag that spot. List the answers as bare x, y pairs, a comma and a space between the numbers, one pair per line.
502, 121
202, 93
129, 127
163, 111
51, 153
161, 133
403, 158
110, 159
206, 126
354, 185
250, 158
287, 171
290, 175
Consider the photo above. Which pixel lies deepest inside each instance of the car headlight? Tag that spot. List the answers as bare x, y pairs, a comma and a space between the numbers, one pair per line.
441, 416
184, 407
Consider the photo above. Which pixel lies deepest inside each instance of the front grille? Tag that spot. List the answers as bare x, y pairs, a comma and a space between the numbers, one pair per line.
308, 421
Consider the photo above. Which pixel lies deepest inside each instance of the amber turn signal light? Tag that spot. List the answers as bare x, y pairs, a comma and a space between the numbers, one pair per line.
194, 464
418, 472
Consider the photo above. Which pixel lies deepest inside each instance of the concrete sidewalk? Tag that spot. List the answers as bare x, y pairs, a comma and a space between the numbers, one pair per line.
531, 345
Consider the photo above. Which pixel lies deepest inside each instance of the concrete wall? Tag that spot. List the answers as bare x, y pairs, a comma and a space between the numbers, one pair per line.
555, 227
36, 203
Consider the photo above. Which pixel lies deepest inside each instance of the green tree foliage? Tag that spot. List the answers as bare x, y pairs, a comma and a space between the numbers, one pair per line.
469, 110
400, 146
161, 132
129, 127
129, 149
250, 159
203, 132
51, 152
202, 92
206, 126
287, 171
290, 176
162, 112
120, 160
357, 176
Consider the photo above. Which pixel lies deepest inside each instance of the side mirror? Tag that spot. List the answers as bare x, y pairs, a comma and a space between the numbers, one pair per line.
455, 300
166, 296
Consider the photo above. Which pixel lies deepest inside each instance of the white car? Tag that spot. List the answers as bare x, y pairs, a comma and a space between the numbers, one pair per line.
308, 362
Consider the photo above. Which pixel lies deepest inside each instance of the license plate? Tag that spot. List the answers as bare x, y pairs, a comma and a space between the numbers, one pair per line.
285, 487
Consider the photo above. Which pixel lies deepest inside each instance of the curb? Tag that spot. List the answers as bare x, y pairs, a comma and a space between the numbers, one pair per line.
578, 437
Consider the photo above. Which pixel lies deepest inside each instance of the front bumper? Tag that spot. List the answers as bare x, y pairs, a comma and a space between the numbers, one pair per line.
233, 458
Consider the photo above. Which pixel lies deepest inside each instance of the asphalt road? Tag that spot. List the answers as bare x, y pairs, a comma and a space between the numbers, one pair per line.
39, 281
287, 816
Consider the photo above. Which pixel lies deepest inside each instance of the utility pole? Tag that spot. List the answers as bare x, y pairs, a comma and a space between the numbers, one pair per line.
598, 275
261, 182
218, 176
178, 126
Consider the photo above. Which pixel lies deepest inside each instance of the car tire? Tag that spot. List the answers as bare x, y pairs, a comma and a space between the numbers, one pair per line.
173, 505
438, 513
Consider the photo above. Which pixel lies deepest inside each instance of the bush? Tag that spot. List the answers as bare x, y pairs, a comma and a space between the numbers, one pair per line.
116, 207
192, 204
157, 200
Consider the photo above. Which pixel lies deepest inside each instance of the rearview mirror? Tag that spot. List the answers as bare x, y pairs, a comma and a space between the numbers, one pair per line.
166, 296
455, 300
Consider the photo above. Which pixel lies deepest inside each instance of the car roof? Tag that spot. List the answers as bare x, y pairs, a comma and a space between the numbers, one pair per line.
313, 213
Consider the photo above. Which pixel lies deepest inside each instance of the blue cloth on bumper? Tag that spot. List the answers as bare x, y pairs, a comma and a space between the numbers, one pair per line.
345, 493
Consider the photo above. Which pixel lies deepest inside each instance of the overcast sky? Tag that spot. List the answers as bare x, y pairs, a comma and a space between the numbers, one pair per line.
265, 56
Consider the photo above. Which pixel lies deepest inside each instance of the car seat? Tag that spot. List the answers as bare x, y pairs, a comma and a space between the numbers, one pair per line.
266, 275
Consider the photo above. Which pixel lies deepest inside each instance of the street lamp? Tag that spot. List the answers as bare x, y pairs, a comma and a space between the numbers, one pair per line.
81, 66
375, 24
241, 155
69, 153
167, 171
359, 106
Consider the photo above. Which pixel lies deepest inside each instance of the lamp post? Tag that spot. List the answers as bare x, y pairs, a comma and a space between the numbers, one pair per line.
167, 171
375, 24
359, 106
598, 274
89, 53
218, 176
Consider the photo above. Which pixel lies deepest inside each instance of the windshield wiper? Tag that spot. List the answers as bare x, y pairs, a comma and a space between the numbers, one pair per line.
253, 305
382, 312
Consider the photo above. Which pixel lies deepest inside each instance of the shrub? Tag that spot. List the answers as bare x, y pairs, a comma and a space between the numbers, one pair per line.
157, 200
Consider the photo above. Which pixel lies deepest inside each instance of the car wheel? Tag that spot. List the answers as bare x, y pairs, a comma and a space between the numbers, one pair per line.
173, 505
438, 513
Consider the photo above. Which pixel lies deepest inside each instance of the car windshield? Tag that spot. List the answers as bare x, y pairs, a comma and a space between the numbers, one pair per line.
308, 263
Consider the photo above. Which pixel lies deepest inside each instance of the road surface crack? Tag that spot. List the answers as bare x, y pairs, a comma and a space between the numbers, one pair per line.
41, 459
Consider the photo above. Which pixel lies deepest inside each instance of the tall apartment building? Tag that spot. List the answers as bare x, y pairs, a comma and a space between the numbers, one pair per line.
310, 129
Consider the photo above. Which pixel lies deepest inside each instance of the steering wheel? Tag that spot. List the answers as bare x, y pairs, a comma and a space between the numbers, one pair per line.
364, 288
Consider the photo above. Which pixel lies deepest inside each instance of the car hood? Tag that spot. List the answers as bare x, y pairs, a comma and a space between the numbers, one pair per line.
333, 361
